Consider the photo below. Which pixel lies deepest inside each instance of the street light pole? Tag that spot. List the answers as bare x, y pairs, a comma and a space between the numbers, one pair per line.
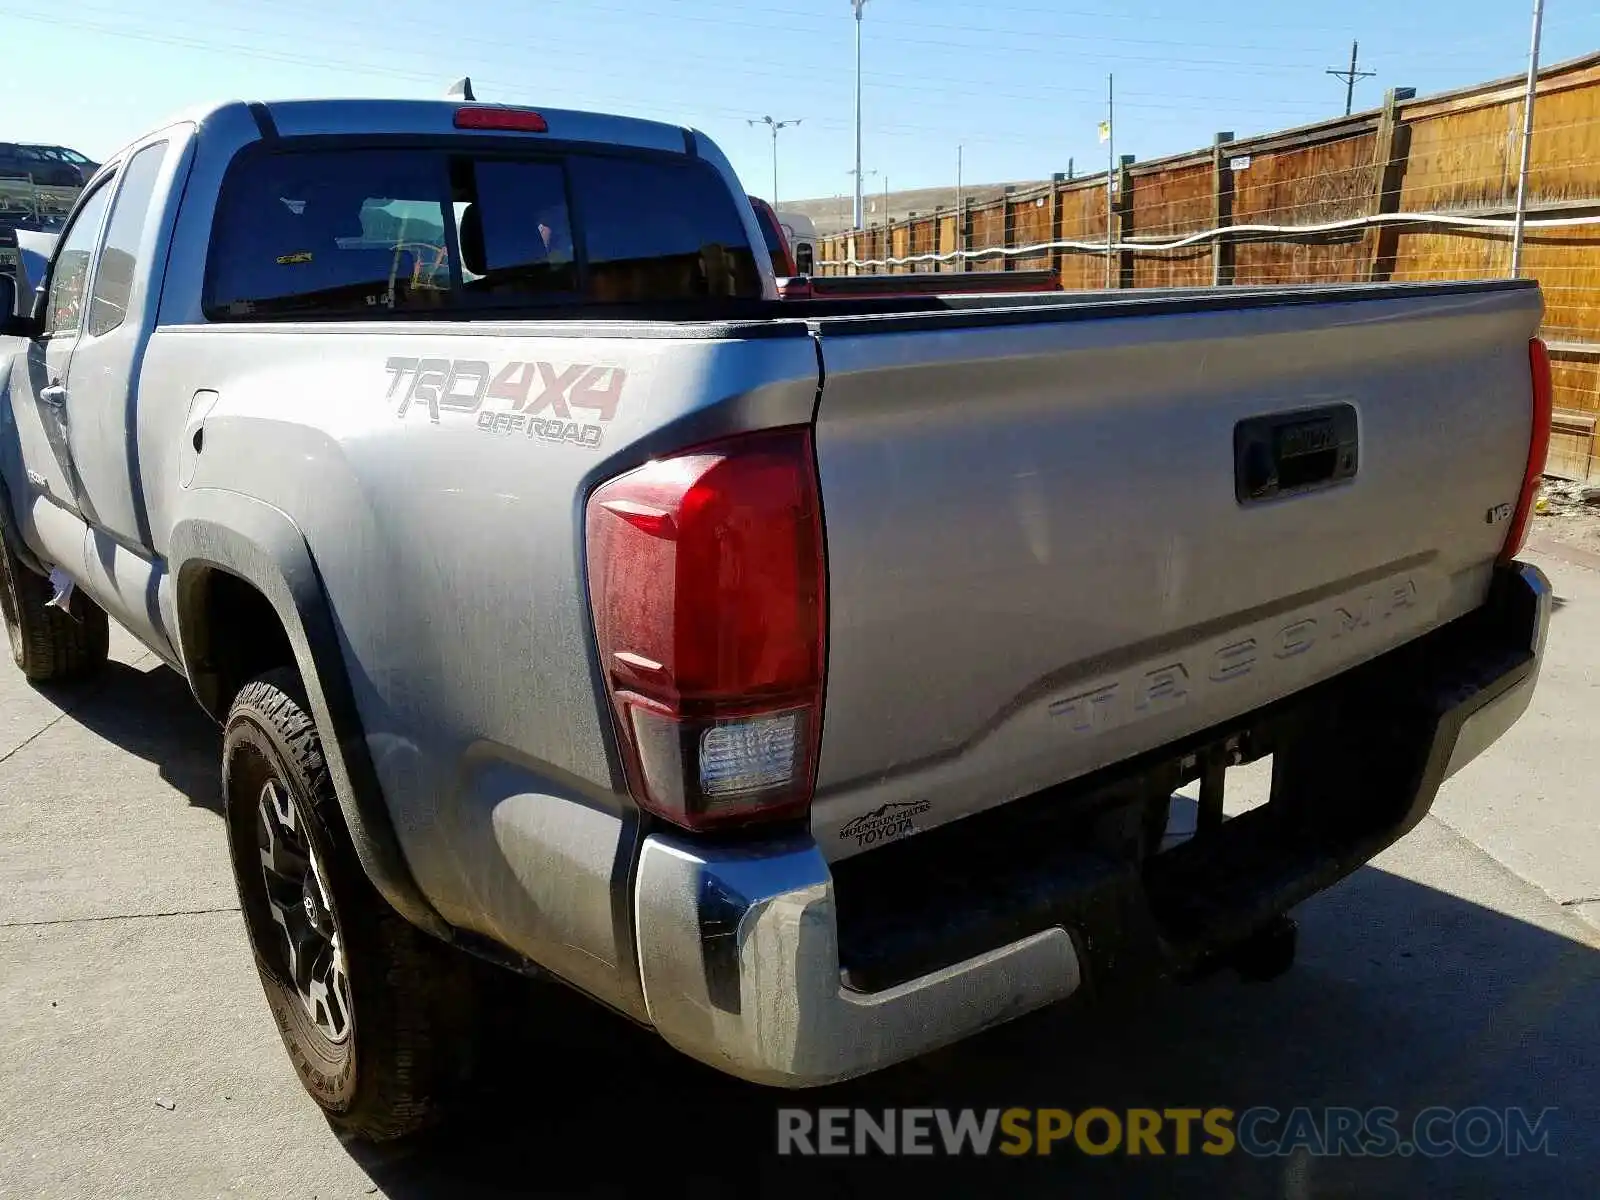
858, 5
775, 126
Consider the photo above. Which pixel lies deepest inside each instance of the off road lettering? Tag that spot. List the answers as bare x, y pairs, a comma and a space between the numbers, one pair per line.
546, 429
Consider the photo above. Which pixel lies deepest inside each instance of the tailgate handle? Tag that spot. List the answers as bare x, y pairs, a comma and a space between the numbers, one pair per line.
1289, 454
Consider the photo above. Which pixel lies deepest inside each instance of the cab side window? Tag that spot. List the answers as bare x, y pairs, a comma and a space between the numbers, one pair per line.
113, 282
69, 276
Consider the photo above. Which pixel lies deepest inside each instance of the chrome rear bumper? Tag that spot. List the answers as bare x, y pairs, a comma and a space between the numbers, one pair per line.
739, 953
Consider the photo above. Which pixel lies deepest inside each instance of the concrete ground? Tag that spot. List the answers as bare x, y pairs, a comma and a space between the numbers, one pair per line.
137, 1057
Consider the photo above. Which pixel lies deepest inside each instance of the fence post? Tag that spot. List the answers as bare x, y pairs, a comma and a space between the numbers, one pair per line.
1009, 236
1391, 149
1125, 220
964, 221
1057, 224
1221, 210
938, 238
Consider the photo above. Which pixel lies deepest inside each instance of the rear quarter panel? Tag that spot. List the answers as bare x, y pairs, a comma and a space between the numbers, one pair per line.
447, 528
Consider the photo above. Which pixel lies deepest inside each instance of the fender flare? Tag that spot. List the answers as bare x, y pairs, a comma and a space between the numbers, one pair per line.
10, 527
263, 547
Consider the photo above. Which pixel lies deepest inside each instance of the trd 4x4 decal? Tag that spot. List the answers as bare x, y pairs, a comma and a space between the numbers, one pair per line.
535, 399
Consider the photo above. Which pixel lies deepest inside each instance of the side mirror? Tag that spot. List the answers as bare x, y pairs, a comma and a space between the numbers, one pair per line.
13, 323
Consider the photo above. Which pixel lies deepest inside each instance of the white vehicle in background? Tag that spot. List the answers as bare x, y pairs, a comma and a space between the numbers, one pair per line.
802, 235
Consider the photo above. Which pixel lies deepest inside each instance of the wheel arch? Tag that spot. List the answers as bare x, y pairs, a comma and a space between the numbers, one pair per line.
238, 560
11, 531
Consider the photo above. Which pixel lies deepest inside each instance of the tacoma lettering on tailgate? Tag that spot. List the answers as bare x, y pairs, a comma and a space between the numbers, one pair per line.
534, 399
1148, 691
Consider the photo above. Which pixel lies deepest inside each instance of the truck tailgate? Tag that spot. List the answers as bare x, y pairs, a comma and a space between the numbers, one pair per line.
1053, 542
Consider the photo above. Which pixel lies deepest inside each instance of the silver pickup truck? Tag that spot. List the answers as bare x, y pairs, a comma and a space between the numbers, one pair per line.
808, 680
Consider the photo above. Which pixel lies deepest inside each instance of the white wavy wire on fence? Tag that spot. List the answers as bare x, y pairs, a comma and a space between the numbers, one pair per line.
1194, 239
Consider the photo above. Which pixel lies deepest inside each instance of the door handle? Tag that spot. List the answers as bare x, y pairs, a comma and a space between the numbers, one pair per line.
55, 395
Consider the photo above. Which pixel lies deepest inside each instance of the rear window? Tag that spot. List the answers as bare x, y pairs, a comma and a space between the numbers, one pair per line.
370, 232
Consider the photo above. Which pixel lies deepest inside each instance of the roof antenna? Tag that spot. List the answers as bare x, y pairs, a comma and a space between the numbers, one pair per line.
461, 89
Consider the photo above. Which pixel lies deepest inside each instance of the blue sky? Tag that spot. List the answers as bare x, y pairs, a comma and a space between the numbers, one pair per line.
1019, 83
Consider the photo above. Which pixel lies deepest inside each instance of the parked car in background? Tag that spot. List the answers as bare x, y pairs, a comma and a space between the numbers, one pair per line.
49, 166
802, 237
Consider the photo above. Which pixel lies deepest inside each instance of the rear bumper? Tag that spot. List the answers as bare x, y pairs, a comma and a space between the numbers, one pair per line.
747, 965
1482, 724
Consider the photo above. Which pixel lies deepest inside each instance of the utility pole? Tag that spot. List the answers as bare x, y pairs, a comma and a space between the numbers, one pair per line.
1111, 174
959, 150
1527, 140
858, 5
775, 126
1350, 78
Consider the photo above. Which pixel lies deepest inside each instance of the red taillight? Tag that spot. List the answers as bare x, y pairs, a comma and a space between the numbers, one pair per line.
1538, 448
518, 120
708, 587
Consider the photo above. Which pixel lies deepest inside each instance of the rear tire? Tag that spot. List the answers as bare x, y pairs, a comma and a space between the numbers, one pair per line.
47, 644
376, 1016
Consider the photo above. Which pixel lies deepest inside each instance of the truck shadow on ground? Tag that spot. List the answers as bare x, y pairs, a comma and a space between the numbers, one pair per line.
150, 711
1404, 996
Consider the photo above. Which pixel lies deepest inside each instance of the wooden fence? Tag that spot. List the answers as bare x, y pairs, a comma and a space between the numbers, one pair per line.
1455, 154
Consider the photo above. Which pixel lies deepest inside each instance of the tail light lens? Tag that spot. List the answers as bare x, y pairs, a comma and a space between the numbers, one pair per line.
708, 588
1538, 448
